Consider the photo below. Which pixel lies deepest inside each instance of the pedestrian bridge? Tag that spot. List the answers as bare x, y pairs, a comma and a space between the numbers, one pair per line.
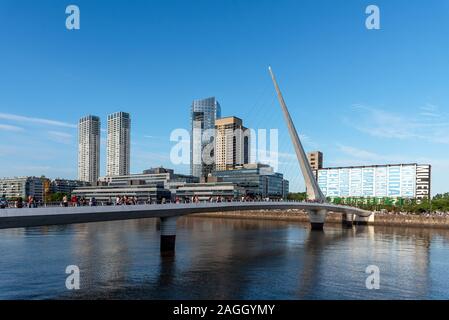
32, 217
168, 214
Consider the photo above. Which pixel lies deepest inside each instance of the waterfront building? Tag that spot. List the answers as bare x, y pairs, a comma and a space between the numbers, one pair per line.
232, 143
118, 144
209, 191
89, 149
66, 186
142, 192
156, 183
412, 181
158, 170
315, 159
257, 180
203, 114
167, 177
13, 188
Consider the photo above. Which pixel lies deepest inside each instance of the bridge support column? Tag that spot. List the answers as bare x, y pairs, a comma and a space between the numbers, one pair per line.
168, 235
317, 219
348, 220
364, 221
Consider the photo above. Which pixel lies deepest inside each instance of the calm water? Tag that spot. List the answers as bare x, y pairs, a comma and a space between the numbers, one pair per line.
224, 259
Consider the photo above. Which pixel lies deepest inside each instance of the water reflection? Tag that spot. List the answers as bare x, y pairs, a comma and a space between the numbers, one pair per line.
224, 259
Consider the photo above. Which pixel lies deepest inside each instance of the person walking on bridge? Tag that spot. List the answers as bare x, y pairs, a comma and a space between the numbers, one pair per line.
30, 202
74, 201
65, 202
3, 202
19, 202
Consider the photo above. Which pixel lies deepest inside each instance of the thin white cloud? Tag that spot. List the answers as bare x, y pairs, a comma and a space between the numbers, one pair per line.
385, 124
7, 127
356, 156
26, 120
359, 153
60, 137
60, 134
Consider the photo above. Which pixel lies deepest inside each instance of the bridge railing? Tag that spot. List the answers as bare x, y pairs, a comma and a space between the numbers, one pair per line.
15, 204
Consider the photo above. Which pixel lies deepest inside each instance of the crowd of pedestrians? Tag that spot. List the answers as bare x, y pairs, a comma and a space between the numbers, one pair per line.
78, 201
124, 200
75, 201
19, 203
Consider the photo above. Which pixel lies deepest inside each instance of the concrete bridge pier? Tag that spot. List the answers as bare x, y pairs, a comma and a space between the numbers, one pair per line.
168, 235
348, 220
317, 219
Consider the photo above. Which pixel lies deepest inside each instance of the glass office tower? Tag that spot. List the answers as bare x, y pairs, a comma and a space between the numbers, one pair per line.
204, 112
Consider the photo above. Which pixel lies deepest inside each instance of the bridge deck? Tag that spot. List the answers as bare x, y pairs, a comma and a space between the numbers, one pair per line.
25, 217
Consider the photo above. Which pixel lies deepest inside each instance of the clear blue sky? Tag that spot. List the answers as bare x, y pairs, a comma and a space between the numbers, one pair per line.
361, 96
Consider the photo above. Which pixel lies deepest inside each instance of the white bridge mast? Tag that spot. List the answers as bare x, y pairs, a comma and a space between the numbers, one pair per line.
312, 187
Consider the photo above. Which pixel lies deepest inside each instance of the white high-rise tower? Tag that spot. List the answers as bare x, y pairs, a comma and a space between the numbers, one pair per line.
118, 144
89, 149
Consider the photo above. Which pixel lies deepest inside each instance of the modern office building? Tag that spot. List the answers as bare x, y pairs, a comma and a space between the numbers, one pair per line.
158, 170
143, 192
13, 188
67, 186
159, 176
315, 160
89, 149
392, 180
258, 180
204, 112
118, 144
209, 191
231, 143
155, 184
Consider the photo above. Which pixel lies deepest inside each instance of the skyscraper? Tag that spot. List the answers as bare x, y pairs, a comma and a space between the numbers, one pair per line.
204, 112
118, 144
89, 149
231, 143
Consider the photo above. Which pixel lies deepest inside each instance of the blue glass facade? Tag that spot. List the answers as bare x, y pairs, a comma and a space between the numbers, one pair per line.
257, 181
203, 115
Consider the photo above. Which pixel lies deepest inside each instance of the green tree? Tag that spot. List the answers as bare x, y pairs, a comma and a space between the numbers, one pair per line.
57, 197
297, 196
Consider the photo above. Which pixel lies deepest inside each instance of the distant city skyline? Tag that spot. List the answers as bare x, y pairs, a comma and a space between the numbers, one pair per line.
363, 97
